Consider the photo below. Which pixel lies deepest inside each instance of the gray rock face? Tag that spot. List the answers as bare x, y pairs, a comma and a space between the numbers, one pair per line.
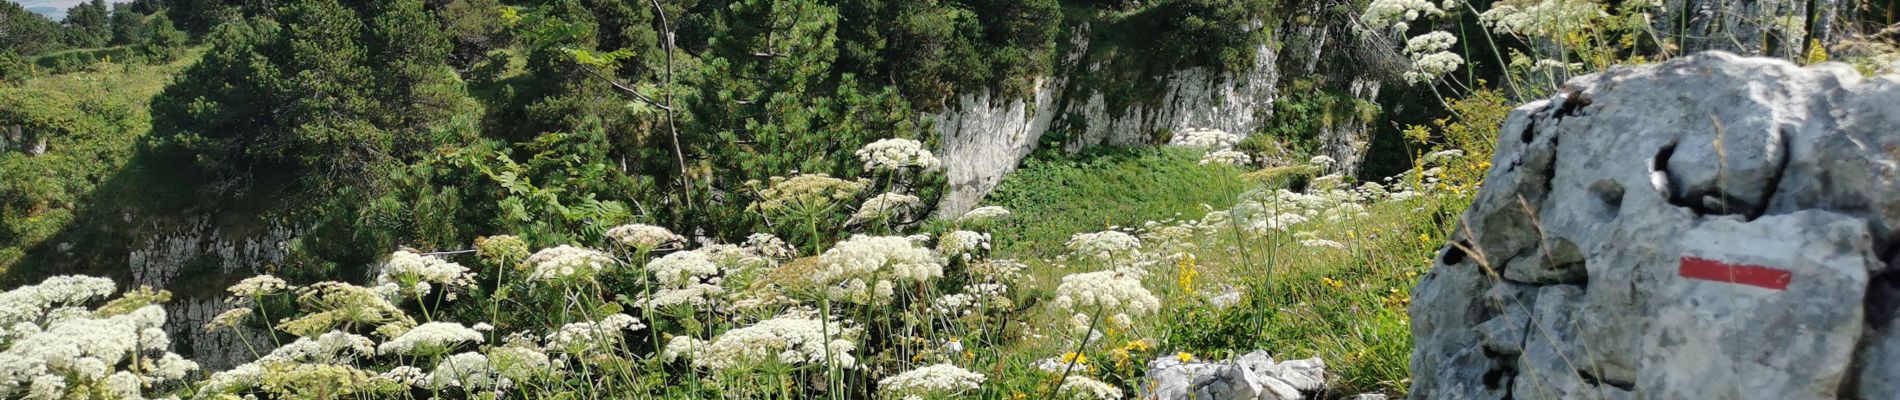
1713, 227
985, 136
166, 257
1252, 376
1775, 28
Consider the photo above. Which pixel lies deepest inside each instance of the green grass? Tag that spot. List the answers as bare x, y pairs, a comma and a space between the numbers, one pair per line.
1347, 307
1053, 198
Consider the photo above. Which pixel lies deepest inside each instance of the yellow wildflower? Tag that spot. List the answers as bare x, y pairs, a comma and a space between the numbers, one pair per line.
1184, 356
1185, 279
1332, 283
1074, 357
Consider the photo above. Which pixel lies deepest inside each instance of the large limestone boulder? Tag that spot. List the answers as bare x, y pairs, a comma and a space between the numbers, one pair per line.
1713, 227
1252, 376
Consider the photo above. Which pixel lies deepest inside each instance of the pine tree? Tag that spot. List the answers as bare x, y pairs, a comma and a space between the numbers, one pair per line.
164, 40
88, 25
128, 26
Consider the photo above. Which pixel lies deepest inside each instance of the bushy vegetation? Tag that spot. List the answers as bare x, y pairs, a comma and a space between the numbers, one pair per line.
642, 311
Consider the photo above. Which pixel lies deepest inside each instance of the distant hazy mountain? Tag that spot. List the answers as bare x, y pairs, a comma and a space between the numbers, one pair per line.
55, 9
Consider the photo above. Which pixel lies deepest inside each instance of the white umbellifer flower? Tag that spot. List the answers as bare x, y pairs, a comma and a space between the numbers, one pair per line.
589, 337
1228, 157
984, 214
329, 348
860, 269
886, 206
124, 385
1432, 42
1397, 13
47, 387
1322, 161
228, 319
406, 375
683, 268
682, 347
1323, 243
1082, 387
566, 263
258, 286
963, 244
412, 274
685, 277
1107, 292
936, 380
769, 246
470, 371
430, 339
1205, 139
172, 366
805, 193
643, 237
895, 154
1443, 156
519, 363
1427, 67
83, 349
1104, 245
1541, 17
784, 339
29, 303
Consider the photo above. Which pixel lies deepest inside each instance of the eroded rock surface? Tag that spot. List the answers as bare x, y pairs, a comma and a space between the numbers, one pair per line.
1713, 227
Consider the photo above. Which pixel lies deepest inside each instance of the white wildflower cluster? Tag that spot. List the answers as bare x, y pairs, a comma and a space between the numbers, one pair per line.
1205, 139
594, 336
1082, 387
938, 380
682, 347
787, 339
32, 302
333, 350
1431, 56
1105, 245
685, 278
1323, 243
896, 154
46, 356
1117, 295
1398, 14
499, 369
643, 237
885, 207
1172, 239
984, 215
257, 286
433, 338
805, 193
1227, 157
411, 274
974, 299
964, 244
1545, 18
568, 263
862, 269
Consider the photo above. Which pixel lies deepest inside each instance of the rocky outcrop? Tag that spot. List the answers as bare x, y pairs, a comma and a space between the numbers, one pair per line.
204, 253
1252, 376
1713, 227
984, 136
1774, 28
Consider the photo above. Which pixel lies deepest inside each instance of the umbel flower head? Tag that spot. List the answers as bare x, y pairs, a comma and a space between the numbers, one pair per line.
1112, 293
897, 154
886, 206
1104, 245
805, 193
984, 215
433, 338
861, 269
643, 237
786, 339
257, 286
593, 336
568, 263
414, 274
1227, 157
685, 277
939, 380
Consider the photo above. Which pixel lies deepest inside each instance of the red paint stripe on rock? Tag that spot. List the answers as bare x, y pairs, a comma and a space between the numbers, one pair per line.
1746, 274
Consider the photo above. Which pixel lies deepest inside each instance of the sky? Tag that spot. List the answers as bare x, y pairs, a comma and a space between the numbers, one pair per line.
55, 9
